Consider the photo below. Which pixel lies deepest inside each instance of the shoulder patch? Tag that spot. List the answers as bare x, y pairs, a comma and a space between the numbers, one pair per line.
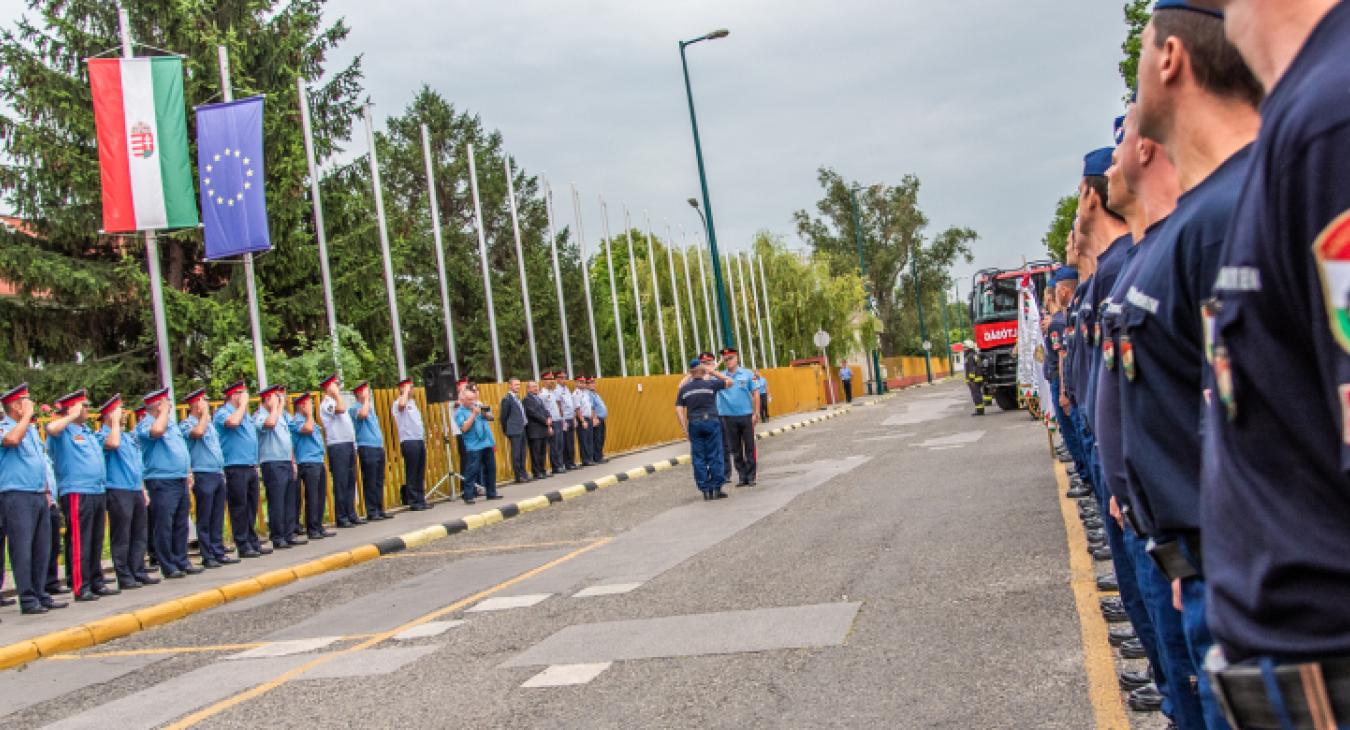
1332, 251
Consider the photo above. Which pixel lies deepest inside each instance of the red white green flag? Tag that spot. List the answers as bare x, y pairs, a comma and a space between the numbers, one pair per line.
1332, 249
143, 159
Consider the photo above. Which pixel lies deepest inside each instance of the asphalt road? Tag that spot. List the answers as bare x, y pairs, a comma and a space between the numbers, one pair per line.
902, 566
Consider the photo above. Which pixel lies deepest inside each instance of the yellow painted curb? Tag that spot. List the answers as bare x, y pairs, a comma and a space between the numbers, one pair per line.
335, 561
473, 522
424, 536
309, 569
532, 504
241, 589
573, 492
161, 613
663, 466
71, 639
275, 578
202, 600
637, 473
606, 481
18, 654
364, 554
113, 627
685, 458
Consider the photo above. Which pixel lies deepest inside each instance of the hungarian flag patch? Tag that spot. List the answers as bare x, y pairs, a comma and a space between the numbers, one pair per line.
1332, 249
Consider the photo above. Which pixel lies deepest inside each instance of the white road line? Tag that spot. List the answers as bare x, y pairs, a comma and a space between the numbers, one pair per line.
562, 675
504, 602
609, 590
426, 630
286, 648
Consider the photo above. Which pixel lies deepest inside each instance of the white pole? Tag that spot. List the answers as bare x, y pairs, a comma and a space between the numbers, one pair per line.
656, 294
730, 280
745, 312
689, 291
319, 233
613, 289
151, 253
585, 277
683, 355
707, 305
557, 278
637, 294
440, 252
250, 283
520, 263
483, 254
384, 245
758, 308
768, 314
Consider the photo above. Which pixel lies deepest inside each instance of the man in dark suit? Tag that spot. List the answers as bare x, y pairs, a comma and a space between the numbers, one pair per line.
538, 431
513, 425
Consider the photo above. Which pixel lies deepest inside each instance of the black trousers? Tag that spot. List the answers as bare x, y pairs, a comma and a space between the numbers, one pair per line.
584, 444
415, 470
208, 489
276, 477
763, 407
570, 445
241, 499
555, 449
315, 481
84, 540
342, 463
598, 442
293, 503
848, 390
27, 531
739, 433
54, 552
518, 449
128, 532
169, 525
372, 478
539, 456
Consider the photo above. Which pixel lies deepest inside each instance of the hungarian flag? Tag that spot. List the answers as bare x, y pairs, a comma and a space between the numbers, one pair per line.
143, 159
1332, 249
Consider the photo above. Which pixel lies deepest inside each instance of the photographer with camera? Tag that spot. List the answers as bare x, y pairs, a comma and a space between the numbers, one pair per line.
480, 464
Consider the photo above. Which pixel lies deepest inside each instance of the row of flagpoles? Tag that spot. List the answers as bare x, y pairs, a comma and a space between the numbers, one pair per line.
233, 224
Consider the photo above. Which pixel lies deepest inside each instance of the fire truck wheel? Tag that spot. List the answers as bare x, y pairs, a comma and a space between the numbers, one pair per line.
1006, 398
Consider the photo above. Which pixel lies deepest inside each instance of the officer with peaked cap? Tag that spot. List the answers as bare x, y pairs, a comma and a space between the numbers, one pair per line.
340, 435
738, 406
128, 527
601, 415
552, 401
25, 498
167, 467
585, 419
307, 437
275, 455
412, 446
208, 479
370, 451
239, 444
77, 457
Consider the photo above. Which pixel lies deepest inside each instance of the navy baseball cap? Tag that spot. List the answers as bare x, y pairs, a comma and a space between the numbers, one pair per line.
1097, 162
1066, 273
1187, 5
696, 362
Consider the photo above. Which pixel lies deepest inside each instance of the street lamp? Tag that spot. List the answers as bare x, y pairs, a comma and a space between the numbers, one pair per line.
703, 182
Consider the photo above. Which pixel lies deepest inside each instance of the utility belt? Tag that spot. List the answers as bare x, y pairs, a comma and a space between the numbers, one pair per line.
703, 417
1261, 694
1178, 559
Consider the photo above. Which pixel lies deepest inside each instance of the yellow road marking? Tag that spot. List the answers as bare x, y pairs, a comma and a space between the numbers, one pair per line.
489, 548
1103, 688
322, 659
209, 648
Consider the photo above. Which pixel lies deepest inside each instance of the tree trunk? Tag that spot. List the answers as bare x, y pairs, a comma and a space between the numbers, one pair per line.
173, 275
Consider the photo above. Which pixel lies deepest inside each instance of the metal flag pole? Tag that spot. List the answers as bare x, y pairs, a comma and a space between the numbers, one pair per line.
656, 294
250, 282
384, 244
739, 342
637, 293
745, 312
707, 300
689, 290
320, 234
768, 314
613, 289
483, 254
585, 277
759, 310
557, 277
520, 263
683, 354
440, 252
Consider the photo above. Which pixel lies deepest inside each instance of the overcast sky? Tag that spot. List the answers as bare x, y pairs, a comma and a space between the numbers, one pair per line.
992, 103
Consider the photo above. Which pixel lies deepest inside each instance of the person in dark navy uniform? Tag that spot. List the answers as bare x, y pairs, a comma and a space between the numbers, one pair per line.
1275, 493
26, 485
1198, 99
81, 476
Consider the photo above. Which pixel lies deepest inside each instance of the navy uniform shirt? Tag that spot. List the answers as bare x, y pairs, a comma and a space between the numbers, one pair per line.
1160, 331
1108, 270
699, 398
1071, 342
1276, 511
1059, 333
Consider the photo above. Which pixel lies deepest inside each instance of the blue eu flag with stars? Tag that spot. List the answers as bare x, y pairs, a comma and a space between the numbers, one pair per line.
230, 175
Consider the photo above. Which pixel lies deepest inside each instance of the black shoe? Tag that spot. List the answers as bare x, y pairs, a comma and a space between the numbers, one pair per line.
298, 540
56, 589
7, 601
193, 570
1132, 649
1093, 523
281, 545
494, 496
1116, 616
147, 580
468, 500
1120, 634
374, 517
1107, 582
359, 521
1101, 554
54, 605
130, 585
264, 550
719, 494
175, 575
1096, 536
708, 497
32, 610
250, 554
1130, 681
343, 524
106, 591
1065, 458
1078, 493
1111, 603
386, 516
1146, 699
85, 597
212, 563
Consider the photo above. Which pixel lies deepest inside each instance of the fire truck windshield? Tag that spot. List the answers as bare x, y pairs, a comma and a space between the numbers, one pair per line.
995, 300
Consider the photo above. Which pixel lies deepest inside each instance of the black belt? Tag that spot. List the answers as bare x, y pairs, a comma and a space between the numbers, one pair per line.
1172, 560
703, 417
1314, 695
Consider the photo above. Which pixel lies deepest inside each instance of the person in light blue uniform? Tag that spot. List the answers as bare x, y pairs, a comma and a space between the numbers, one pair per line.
480, 468
238, 434
275, 462
738, 406
128, 530
601, 413
167, 466
81, 476
370, 451
208, 479
762, 385
26, 484
307, 437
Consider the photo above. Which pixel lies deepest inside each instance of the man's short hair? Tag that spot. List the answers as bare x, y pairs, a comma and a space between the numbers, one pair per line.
1216, 63
1101, 186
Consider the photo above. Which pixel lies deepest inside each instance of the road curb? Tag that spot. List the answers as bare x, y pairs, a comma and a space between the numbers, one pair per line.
119, 625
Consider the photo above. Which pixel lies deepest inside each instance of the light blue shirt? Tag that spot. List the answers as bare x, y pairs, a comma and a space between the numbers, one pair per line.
274, 444
308, 447
23, 468
598, 403
368, 431
479, 436
845, 373
205, 452
735, 399
239, 445
122, 464
77, 454
165, 457
761, 385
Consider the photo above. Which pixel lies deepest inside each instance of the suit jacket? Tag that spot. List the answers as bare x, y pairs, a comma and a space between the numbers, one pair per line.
512, 416
537, 414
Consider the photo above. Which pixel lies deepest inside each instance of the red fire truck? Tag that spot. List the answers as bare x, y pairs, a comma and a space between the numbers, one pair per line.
993, 315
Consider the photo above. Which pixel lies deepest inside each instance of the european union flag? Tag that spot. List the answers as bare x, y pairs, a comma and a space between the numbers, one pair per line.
230, 168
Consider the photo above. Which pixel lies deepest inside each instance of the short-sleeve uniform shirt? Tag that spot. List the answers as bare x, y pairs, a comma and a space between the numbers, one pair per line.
699, 398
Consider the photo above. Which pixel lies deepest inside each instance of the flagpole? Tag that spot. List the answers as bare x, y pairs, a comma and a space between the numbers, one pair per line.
557, 279
737, 341
585, 277
745, 311
320, 235
689, 291
613, 289
384, 244
707, 307
483, 254
675, 294
759, 311
656, 293
768, 313
440, 252
520, 264
151, 251
637, 293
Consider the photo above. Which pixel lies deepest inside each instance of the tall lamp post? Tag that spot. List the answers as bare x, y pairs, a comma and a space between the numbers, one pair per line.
880, 382
923, 326
703, 182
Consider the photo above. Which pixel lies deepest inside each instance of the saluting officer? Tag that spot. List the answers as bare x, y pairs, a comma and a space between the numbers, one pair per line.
275, 454
238, 434
80, 478
341, 437
370, 449
25, 497
128, 527
412, 446
167, 466
307, 437
585, 420
738, 406
696, 409
208, 479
